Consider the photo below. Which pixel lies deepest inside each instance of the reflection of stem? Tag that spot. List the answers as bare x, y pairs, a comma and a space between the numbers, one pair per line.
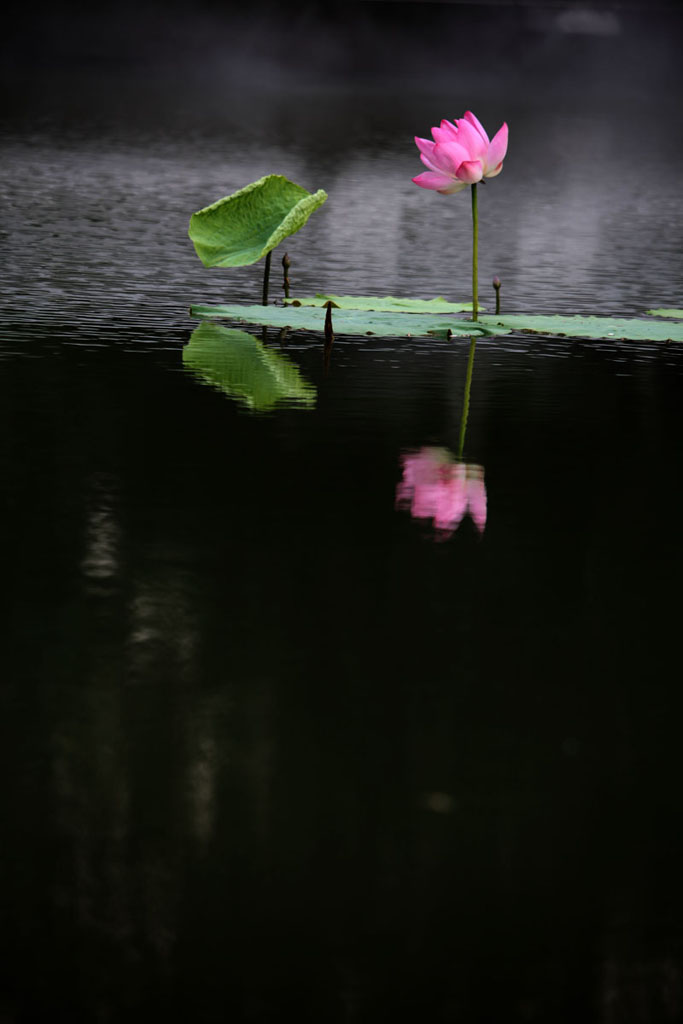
266, 276
475, 257
327, 355
466, 399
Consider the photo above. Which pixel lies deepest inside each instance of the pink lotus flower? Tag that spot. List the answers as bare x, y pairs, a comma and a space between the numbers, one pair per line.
460, 155
437, 487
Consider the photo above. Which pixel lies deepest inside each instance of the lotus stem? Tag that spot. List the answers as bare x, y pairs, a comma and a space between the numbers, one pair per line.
475, 257
266, 278
496, 285
329, 331
329, 336
466, 398
286, 264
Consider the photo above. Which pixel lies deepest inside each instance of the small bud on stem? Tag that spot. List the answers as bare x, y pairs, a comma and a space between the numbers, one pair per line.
496, 285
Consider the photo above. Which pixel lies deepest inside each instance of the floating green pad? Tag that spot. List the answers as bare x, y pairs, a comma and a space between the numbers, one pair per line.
345, 321
242, 228
407, 325
384, 303
241, 366
675, 314
599, 328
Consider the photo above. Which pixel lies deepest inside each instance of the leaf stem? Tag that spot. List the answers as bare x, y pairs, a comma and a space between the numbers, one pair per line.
329, 336
266, 277
475, 255
466, 399
286, 264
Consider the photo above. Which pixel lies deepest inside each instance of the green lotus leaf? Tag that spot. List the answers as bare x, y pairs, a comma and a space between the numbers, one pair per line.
384, 303
406, 325
242, 228
602, 328
345, 321
675, 314
242, 367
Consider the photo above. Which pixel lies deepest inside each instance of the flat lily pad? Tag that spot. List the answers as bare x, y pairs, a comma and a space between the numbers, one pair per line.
602, 328
675, 314
384, 303
346, 321
242, 367
407, 325
243, 227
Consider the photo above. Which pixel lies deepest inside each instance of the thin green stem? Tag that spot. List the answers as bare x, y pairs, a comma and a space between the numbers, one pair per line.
466, 399
475, 255
266, 278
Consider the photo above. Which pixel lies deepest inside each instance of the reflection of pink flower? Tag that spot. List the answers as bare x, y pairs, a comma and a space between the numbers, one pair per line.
460, 155
436, 487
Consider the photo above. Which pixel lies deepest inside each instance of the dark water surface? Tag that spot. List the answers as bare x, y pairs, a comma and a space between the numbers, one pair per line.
271, 745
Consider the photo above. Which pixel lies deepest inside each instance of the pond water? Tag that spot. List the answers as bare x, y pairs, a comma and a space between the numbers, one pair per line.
287, 729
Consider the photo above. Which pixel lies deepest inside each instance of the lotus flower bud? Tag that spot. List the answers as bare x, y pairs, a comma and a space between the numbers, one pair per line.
496, 284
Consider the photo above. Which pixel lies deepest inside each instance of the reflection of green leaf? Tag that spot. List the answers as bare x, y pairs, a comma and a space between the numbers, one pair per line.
675, 314
384, 303
242, 367
345, 321
245, 226
595, 327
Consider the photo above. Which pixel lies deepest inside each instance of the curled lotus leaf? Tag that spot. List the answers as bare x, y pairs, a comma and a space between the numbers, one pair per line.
242, 228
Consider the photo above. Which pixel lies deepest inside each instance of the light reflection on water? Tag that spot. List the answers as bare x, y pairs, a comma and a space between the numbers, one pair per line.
283, 733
